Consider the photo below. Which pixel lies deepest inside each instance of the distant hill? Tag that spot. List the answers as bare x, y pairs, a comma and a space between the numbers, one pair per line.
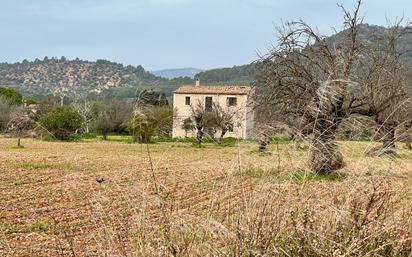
74, 77
243, 74
175, 73
372, 33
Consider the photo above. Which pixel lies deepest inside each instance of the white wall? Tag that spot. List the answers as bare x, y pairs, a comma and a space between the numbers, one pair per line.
183, 111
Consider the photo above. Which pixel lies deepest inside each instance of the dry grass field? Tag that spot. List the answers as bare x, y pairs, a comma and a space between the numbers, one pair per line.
173, 199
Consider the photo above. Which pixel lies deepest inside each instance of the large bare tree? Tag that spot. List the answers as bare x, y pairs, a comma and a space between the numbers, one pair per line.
310, 78
385, 87
313, 83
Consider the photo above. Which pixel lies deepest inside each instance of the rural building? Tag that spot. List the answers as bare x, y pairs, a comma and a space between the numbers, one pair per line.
237, 99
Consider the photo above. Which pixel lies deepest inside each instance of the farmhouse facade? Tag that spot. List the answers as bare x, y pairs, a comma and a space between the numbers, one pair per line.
236, 99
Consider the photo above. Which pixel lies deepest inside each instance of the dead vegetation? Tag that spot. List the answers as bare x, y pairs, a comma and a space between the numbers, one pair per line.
173, 199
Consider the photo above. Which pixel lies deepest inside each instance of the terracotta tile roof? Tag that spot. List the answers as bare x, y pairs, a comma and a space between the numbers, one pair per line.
229, 90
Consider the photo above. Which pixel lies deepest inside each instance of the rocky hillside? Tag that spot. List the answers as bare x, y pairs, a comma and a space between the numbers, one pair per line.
73, 77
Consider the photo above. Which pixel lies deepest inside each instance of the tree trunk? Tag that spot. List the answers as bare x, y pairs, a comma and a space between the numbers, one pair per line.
388, 138
105, 135
199, 135
408, 144
323, 150
324, 157
408, 137
262, 146
222, 135
18, 142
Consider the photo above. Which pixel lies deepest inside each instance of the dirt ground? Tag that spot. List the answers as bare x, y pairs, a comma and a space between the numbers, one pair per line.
113, 198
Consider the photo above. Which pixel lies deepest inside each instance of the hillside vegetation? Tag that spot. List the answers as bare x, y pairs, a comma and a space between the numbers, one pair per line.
76, 77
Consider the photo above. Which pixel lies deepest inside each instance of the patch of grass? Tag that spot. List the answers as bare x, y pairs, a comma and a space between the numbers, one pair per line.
228, 141
308, 176
46, 165
299, 176
260, 173
73, 138
39, 226
19, 148
196, 145
118, 138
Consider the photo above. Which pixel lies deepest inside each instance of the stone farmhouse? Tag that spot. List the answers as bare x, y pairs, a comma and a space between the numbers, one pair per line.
238, 99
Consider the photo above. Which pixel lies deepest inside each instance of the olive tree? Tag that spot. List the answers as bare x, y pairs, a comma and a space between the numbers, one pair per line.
317, 82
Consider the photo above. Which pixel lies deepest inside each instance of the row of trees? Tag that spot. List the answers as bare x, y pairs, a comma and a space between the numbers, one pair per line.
148, 116
312, 84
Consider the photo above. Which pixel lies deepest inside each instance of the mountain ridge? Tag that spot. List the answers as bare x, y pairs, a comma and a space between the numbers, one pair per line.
80, 78
176, 72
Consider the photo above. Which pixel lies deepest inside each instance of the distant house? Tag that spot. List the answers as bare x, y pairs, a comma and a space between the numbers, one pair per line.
236, 98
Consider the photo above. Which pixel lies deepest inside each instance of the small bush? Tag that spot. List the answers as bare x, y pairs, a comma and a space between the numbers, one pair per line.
62, 123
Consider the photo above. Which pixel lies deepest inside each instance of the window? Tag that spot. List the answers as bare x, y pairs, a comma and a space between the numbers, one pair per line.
208, 103
231, 101
187, 100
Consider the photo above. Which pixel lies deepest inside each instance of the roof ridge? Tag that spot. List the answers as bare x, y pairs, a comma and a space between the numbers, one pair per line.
214, 89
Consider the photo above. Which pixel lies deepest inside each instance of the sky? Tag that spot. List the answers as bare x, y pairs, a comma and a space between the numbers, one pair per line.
160, 34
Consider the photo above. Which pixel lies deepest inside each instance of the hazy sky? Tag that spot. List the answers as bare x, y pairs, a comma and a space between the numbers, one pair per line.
165, 33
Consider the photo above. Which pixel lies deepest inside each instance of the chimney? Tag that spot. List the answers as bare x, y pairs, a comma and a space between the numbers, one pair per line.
197, 83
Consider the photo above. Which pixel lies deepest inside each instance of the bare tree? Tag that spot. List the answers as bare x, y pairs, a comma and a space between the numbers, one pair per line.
204, 120
198, 114
85, 110
319, 82
385, 91
111, 116
310, 78
222, 118
21, 121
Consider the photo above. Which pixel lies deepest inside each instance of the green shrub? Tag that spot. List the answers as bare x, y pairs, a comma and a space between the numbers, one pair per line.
62, 122
11, 94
